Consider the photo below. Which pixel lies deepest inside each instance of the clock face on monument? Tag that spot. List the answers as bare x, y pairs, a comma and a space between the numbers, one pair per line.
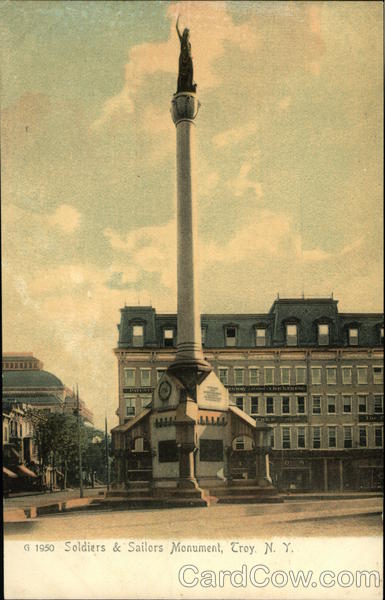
164, 390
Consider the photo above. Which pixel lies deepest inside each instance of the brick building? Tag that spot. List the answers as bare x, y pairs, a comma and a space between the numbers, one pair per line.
313, 374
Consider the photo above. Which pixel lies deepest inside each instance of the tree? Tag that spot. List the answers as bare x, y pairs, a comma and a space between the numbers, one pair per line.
56, 437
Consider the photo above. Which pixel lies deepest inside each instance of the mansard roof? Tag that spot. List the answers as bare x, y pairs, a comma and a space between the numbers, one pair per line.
306, 313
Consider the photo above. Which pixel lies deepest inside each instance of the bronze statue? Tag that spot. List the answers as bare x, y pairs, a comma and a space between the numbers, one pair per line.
185, 76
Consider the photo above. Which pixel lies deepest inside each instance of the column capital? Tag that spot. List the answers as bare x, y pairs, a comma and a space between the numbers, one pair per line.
184, 107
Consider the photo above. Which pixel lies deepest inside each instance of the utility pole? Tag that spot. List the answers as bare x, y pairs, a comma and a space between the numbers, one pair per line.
79, 445
107, 458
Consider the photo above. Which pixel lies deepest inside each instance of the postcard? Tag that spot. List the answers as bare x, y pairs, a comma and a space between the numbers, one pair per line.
192, 400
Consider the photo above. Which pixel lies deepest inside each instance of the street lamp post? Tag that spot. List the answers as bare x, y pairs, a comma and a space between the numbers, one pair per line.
107, 457
79, 445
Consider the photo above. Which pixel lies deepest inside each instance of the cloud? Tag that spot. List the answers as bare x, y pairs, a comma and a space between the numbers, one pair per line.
66, 217
150, 250
266, 233
284, 103
319, 255
241, 184
234, 135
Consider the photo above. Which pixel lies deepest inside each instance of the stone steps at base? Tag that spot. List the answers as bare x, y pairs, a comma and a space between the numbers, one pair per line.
148, 502
242, 491
129, 492
139, 484
251, 499
178, 493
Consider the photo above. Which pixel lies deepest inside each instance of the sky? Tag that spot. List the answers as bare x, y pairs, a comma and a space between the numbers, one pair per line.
289, 167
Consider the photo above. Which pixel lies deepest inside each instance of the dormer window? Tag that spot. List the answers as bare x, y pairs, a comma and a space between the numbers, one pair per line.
230, 336
353, 336
168, 338
137, 336
323, 334
292, 334
260, 336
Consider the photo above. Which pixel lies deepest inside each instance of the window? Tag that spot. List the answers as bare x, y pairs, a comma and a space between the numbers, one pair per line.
168, 338
331, 375
231, 336
159, 374
301, 405
347, 404
301, 437
362, 404
129, 377
381, 335
378, 375
269, 375
362, 375
331, 400
323, 334
362, 437
145, 377
253, 376
167, 451
286, 437
285, 405
137, 335
238, 376
239, 402
316, 437
348, 437
204, 335
254, 405
272, 438
353, 336
211, 450
346, 375
260, 336
378, 404
130, 407
332, 437
378, 437
285, 375
269, 405
146, 400
300, 375
239, 443
139, 444
292, 335
316, 405
316, 373
223, 376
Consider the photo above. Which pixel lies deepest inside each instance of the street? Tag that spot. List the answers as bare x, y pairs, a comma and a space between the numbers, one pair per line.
222, 521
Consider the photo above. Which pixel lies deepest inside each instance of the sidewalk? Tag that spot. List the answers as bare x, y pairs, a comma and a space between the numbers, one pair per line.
42, 499
30, 506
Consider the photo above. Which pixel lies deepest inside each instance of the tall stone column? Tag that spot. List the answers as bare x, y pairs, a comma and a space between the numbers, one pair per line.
184, 109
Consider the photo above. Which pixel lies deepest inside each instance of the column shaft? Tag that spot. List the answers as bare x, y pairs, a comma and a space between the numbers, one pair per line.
189, 327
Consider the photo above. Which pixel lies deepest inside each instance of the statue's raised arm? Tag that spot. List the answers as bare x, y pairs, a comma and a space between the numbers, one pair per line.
177, 29
185, 76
